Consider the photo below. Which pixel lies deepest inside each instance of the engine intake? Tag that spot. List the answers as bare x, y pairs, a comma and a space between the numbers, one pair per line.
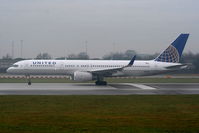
82, 76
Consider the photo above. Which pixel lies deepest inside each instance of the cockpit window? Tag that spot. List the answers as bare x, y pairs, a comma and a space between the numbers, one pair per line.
15, 65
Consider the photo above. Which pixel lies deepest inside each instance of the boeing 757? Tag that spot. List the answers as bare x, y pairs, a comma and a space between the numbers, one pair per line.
87, 70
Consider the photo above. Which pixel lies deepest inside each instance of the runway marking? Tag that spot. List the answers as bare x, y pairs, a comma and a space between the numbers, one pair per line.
123, 86
142, 86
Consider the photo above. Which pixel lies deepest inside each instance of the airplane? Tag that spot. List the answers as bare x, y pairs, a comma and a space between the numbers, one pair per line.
87, 70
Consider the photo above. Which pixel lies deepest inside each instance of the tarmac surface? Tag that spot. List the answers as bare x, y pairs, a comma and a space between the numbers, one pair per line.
92, 89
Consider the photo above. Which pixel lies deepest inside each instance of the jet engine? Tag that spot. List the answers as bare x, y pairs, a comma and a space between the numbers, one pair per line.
82, 76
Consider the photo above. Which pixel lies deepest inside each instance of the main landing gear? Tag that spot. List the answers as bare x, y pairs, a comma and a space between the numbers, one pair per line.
100, 81
28, 79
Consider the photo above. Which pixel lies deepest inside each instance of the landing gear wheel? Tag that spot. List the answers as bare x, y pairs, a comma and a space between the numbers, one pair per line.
28, 79
29, 83
101, 83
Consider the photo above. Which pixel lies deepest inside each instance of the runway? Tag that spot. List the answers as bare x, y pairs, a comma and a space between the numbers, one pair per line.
91, 89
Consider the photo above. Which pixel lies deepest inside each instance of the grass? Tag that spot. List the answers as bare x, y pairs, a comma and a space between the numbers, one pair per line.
99, 114
109, 80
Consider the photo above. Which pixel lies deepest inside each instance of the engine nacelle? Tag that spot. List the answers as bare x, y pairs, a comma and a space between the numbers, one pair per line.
82, 76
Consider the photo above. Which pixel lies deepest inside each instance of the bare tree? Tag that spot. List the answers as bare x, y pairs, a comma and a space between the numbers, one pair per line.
7, 57
80, 56
43, 56
83, 56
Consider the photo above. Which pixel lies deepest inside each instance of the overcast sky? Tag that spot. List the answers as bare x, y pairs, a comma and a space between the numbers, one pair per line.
62, 27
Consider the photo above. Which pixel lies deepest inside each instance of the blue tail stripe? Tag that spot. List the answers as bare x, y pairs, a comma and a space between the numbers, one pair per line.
180, 42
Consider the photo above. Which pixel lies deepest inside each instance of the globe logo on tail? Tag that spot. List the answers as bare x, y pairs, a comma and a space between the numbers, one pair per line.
169, 55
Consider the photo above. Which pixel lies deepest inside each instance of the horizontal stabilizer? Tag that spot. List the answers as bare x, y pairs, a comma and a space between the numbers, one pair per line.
177, 66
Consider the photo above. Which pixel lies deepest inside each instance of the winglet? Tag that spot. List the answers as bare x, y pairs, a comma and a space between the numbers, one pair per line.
131, 62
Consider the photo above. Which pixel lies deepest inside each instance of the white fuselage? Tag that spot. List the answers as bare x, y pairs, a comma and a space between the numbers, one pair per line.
68, 67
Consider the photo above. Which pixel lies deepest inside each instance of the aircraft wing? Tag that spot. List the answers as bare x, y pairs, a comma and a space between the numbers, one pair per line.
112, 70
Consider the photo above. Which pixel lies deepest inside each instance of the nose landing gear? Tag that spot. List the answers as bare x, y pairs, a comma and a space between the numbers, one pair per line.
28, 79
29, 83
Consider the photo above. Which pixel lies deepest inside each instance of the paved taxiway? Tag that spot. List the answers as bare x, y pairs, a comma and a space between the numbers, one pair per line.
91, 89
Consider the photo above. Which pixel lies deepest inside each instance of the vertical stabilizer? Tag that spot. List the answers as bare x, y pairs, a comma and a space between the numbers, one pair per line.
174, 51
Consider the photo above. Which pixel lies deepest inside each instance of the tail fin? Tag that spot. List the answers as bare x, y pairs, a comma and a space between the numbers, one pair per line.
174, 51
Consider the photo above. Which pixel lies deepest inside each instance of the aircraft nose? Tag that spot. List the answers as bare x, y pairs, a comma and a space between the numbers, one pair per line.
9, 70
